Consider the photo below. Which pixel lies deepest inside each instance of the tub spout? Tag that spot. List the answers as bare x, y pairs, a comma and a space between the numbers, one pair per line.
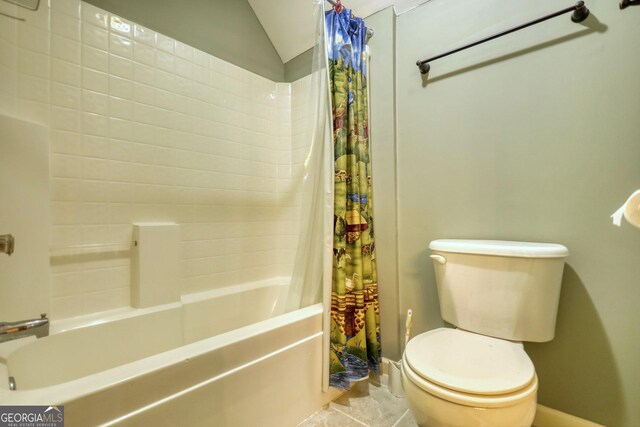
24, 328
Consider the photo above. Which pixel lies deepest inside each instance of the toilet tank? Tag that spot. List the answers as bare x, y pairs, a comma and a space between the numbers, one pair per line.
502, 289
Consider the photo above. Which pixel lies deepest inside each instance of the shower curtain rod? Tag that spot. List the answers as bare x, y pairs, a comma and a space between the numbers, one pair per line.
580, 13
369, 30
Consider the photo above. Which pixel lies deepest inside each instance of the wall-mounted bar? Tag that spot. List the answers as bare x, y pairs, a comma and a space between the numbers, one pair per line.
33, 6
580, 13
626, 3
13, 17
30, 5
56, 251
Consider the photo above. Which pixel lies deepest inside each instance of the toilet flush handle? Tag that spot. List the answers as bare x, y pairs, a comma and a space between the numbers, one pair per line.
439, 259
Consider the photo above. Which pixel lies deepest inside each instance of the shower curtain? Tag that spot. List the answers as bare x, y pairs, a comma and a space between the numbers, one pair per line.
312, 266
355, 314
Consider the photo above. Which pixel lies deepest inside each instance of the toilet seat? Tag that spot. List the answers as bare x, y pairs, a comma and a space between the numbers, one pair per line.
470, 369
468, 399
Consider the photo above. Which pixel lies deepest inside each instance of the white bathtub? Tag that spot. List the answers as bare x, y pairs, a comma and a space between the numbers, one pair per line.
225, 358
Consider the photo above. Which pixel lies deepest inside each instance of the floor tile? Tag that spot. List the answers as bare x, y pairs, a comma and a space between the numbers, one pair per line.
407, 420
330, 418
371, 404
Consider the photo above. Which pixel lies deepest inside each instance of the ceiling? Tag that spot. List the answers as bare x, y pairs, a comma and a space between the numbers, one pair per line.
291, 24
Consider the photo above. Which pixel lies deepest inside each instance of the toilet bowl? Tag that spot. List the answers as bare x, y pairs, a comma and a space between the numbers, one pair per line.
455, 378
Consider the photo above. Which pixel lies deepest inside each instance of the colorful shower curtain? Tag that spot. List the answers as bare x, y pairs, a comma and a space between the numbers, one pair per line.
355, 313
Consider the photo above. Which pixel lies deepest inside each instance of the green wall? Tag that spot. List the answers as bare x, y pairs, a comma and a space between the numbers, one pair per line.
298, 67
227, 29
383, 154
534, 137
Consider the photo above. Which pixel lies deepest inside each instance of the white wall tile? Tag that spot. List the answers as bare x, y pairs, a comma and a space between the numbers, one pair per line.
64, 142
164, 80
184, 51
144, 54
143, 74
95, 124
95, 80
144, 35
145, 128
165, 43
120, 87
121, 26
65, 25
33, 88
66, 72
94, 16
65, 49
97, 169
144, 94
67, 284
69, 7
164, 99
95, 102
63, 166
34, 64
121, 46
95, 146
165, 61
68, 306
201, 58
95, 36
120, 125
33, 38
65, 119
105, 300
121, 67
120, 108
95, 59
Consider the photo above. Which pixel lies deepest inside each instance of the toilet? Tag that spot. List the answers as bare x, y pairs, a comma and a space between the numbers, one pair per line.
496, 294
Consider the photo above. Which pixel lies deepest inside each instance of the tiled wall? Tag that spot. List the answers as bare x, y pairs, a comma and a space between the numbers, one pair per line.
301, 125
145, 128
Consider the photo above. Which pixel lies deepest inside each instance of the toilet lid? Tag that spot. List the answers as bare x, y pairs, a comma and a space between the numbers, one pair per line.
468, 362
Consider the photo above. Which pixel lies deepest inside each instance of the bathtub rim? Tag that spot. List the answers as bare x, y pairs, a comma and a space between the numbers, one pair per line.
67, 324
77, 388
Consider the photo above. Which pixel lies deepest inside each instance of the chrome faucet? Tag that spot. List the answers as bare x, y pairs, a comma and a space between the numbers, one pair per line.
24, 328
6, 244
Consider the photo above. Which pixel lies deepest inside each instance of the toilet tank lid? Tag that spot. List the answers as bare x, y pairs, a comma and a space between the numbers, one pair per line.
500, 248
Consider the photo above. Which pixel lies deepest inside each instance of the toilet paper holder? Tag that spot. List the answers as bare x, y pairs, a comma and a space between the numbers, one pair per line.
7, 244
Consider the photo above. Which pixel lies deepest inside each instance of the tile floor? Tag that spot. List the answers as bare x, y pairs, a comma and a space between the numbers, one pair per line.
368, 403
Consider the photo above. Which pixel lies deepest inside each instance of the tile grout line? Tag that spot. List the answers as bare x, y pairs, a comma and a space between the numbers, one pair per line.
309, 417
349, 416
401, 418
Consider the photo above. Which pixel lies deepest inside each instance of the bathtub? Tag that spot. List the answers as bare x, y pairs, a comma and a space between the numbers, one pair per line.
228, 357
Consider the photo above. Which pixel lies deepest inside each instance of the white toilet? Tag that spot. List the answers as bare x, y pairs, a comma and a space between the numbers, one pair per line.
497, 294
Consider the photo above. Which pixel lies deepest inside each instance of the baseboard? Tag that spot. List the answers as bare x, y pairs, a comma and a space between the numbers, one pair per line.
548, 417
545, 416
384, 366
